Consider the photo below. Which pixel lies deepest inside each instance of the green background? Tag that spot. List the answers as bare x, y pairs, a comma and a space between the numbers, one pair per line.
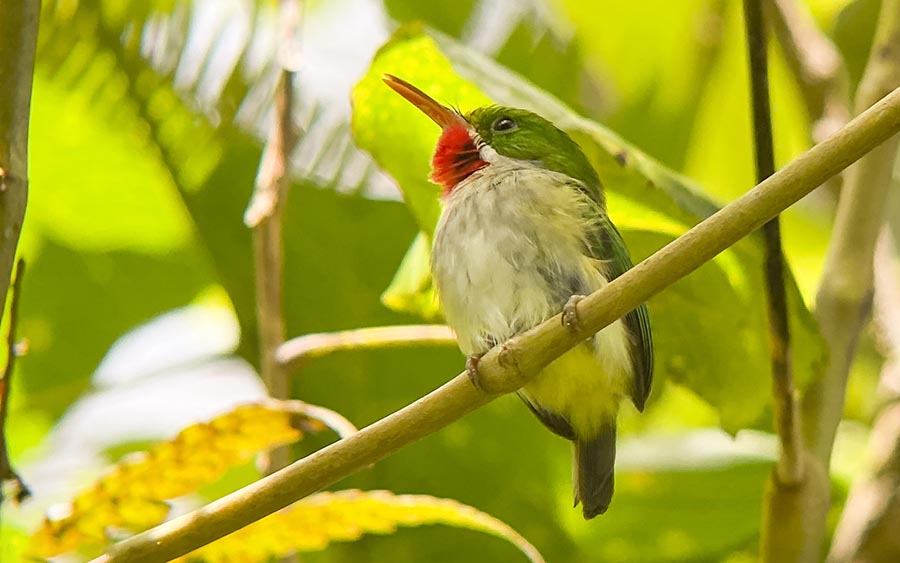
141, 170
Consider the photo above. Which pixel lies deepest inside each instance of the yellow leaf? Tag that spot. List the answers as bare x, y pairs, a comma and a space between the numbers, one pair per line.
131, 496
315, 522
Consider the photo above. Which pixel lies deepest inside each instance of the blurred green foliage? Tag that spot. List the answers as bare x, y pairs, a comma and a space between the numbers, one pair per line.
144, 150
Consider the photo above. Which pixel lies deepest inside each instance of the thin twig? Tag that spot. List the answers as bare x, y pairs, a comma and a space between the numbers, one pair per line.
816, 63
790, 466
7, 473
296, 351
18, 39
332, 419
273, 180
512, 364
264, 215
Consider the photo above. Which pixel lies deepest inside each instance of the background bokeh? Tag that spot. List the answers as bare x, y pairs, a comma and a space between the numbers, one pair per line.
148, 123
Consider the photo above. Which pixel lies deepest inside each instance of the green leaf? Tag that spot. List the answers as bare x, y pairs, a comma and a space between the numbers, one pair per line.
412, 291
710, 329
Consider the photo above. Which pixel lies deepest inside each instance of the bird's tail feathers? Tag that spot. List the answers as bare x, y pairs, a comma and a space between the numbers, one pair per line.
595, 472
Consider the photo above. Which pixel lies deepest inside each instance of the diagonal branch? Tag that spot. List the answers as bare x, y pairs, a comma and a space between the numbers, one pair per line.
512, 364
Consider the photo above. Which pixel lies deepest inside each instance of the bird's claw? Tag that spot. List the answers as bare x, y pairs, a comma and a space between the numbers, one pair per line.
472, 371
570, 313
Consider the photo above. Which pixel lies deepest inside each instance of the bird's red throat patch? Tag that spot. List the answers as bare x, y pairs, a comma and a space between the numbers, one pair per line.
455, 158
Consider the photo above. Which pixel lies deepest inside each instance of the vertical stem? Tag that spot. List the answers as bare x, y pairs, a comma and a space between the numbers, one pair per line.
795, 487
18, 40
867, 531
264, 215
790, 467
844, 299
7, 473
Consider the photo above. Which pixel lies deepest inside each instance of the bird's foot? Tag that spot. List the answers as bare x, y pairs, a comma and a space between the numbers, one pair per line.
570, 313
472, 371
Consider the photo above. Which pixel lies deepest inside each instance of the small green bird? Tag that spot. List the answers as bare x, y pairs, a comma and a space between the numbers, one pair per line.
524, 233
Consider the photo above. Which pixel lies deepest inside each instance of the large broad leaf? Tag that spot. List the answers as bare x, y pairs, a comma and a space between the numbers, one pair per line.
710, 329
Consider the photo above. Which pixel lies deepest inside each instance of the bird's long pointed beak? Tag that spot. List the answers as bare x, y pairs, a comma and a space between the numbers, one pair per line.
439, 113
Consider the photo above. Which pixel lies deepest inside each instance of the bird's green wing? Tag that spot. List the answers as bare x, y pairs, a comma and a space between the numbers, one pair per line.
610, 248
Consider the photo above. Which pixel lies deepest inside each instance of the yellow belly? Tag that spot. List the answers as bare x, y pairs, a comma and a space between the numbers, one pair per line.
580, 388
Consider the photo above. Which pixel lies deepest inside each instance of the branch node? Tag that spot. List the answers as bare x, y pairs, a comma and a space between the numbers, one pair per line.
508, 358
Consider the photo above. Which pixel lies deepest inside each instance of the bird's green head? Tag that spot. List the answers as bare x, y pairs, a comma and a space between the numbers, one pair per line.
494, 134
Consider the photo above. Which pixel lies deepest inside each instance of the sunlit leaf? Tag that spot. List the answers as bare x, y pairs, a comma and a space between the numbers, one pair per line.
313, 523
412, 291
132, 495
710, 329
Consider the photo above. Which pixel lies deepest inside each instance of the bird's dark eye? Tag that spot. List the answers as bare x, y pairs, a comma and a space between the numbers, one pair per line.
504, 124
